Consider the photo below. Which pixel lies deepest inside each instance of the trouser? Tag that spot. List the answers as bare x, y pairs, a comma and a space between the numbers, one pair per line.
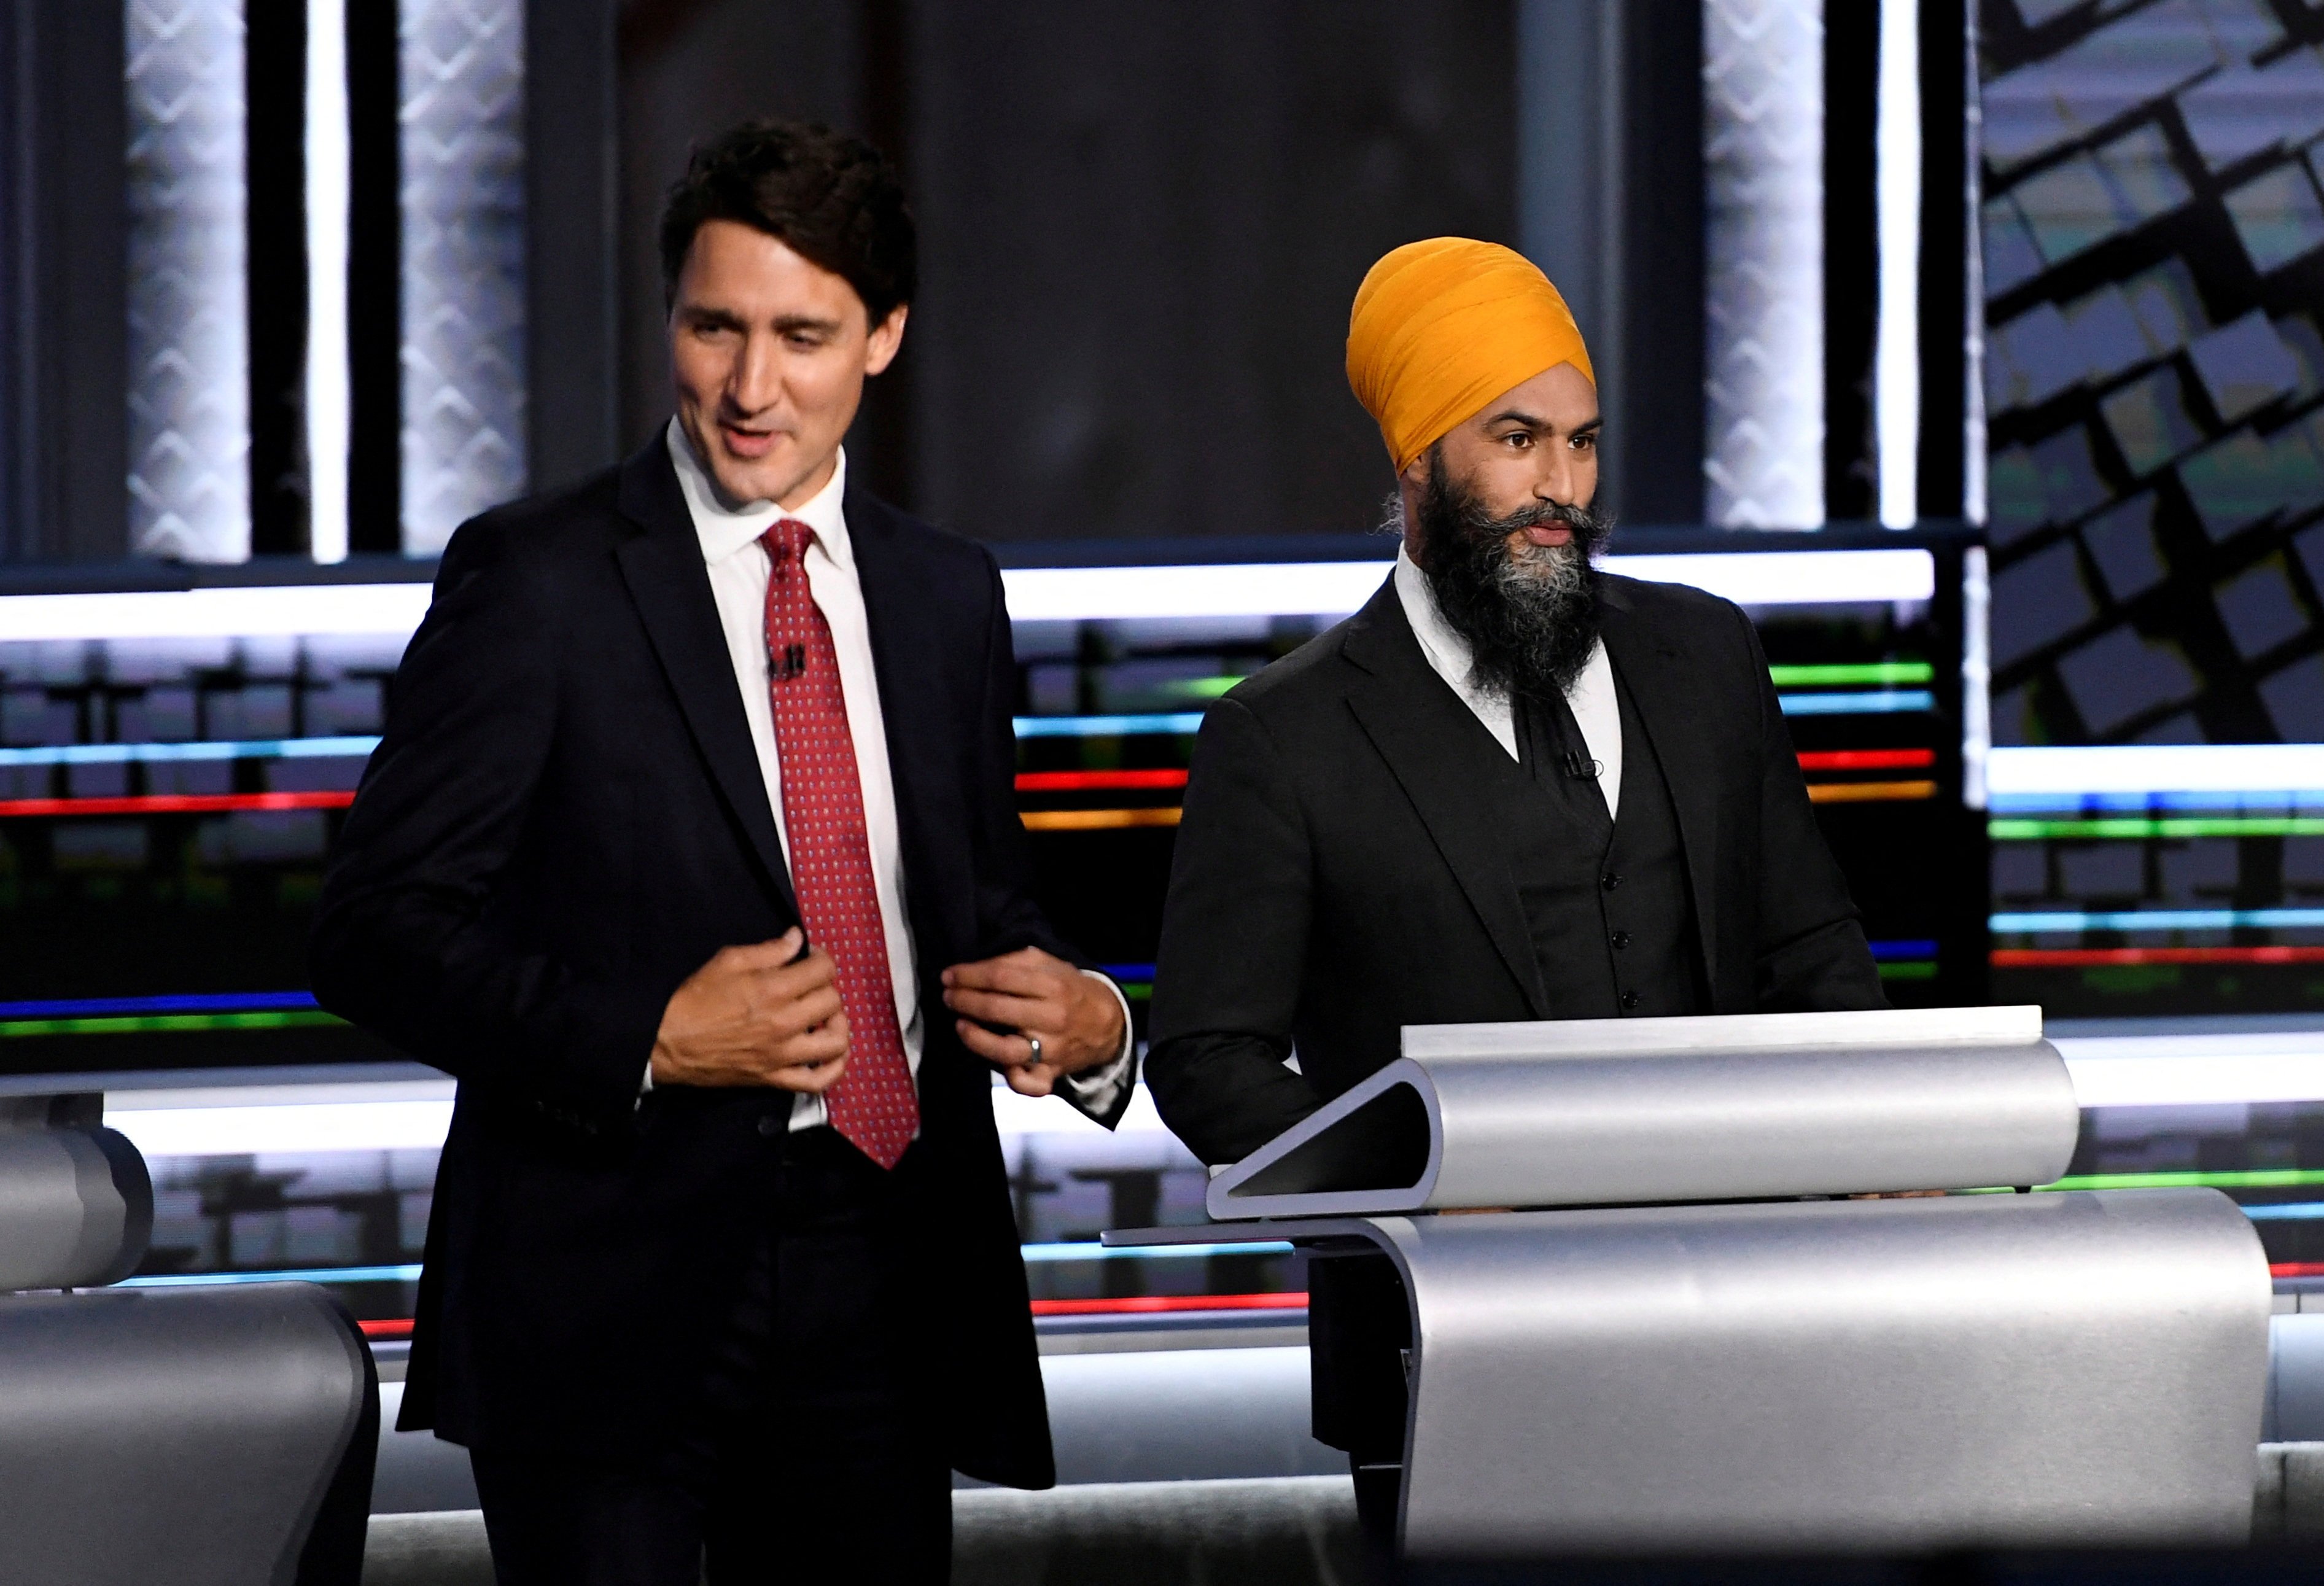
804, 1456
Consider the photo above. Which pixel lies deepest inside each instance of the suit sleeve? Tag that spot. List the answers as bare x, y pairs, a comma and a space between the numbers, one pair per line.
1234, 947
1810, 954
405, 942
1007, 917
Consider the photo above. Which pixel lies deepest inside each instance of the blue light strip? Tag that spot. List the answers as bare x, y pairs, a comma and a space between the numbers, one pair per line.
1182, 721
2226, 802
1889, 951
1088, 1251
186, 1002
2057, 922
1129, 971
2288, 1212
148, 753
407, 1274
1877, 702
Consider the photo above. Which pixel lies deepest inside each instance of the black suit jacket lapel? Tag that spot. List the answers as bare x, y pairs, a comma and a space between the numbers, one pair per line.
897, 657
1656, 673
1434, 745
666, 576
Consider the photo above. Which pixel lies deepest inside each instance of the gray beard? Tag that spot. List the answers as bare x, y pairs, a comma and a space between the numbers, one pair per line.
1529, 615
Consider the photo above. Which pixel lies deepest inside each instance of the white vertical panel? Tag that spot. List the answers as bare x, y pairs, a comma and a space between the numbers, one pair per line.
189, 332
462, 123
1763, 156
1897, 201
329, 176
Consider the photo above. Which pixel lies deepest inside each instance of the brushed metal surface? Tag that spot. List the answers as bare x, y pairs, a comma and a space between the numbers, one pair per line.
1583, 1112
76, 1208
2076, 1369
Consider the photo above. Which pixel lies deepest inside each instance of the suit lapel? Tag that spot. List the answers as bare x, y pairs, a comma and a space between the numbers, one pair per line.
1654, 673
897, 659
666, 577
1435, 747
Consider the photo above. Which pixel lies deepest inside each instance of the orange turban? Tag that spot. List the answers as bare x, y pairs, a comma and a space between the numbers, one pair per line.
1441, 328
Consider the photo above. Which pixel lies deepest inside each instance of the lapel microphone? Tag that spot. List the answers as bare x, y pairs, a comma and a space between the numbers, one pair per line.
790, 662
1581, 768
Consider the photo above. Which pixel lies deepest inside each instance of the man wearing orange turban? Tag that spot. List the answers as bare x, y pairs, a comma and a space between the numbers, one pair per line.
1510, 787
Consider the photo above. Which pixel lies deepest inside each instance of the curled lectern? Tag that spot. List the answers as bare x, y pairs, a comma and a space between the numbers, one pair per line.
1664, 1328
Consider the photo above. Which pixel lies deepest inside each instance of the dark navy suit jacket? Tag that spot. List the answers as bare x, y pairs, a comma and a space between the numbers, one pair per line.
564, 820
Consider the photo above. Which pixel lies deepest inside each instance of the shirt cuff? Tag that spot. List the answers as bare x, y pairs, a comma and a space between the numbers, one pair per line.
1096, 1090
645, 1084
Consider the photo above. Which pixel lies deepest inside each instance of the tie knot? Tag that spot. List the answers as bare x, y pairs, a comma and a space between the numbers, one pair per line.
786, 541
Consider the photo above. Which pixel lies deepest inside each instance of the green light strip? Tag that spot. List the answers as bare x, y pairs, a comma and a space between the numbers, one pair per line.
1853, 674
1908, 971
286, 1019
2249, 1179
2136, 826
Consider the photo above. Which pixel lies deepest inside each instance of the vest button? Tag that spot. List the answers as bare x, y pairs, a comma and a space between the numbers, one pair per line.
770, 1126
1609, 881
1630, 1000
1621, 939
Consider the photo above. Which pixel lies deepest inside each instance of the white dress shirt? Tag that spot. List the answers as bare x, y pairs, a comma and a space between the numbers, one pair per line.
739, 570
1592, 698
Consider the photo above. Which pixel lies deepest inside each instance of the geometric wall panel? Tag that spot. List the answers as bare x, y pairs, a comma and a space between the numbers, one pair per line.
188, 350
1764, 311
2154, 374
462, 150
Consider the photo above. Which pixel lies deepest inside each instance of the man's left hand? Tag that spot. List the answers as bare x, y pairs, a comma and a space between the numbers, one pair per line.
1075, 1019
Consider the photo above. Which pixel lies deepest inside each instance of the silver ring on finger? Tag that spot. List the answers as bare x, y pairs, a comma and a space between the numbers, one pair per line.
1035, 1042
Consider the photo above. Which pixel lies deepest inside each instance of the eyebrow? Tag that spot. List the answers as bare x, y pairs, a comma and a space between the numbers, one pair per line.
1532, 422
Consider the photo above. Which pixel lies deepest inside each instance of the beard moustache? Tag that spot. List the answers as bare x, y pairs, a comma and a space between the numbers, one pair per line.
1529, 615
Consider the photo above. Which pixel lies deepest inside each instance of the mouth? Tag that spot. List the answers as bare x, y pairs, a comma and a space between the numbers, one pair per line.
747, 443
1548, 534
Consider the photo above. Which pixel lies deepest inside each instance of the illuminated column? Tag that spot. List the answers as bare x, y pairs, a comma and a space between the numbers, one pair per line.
464, 262
1764, 352
189, 332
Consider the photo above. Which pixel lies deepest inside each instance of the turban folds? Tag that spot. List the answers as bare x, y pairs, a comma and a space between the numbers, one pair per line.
1442, 327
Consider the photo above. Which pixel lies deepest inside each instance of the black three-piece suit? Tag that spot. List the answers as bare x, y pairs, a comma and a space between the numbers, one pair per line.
1360, 853
564, 821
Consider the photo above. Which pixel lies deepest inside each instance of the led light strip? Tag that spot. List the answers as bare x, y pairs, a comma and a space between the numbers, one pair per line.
2196, 1070
208, 750
1868, 792
1099, 820
2068, 921
328, 157
1896, 199
175, 804
1884, 702
1263, 589
2102, 957
2019, 829
2244, 770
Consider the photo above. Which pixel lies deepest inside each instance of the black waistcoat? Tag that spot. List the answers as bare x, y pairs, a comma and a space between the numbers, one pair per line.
1606, 900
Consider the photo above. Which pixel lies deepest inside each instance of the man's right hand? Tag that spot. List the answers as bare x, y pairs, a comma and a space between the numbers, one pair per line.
755, 1016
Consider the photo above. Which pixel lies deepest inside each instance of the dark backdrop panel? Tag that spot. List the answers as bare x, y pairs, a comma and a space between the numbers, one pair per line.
1143, 227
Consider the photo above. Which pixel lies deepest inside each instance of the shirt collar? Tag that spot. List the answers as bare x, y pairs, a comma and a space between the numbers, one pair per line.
724, 531
1448, 653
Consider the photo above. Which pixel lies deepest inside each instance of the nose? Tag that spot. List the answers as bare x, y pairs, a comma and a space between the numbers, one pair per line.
1558, 482
756, 379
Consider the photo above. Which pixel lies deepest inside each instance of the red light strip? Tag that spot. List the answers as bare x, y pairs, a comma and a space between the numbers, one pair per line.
2079, 957
2297, 1269
177, 803
1092, 781
1865, 759
1138, 1304
1134, 1304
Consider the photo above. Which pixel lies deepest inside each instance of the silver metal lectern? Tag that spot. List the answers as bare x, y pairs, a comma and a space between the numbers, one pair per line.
1662, 1327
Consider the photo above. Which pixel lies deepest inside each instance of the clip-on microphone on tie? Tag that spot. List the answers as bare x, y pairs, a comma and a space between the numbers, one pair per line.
789, 664
1581, 768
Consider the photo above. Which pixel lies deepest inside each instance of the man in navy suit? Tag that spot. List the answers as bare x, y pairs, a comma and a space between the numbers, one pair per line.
691, 850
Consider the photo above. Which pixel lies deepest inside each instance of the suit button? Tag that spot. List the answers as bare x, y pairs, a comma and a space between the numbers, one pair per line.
1621, 939
1630, 1000
770, 1126
1609, 881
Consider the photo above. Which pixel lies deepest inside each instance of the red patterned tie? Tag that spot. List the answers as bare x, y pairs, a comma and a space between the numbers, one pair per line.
873, 1103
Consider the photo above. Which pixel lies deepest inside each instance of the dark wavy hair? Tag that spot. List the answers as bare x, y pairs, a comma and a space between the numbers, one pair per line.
834, 199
